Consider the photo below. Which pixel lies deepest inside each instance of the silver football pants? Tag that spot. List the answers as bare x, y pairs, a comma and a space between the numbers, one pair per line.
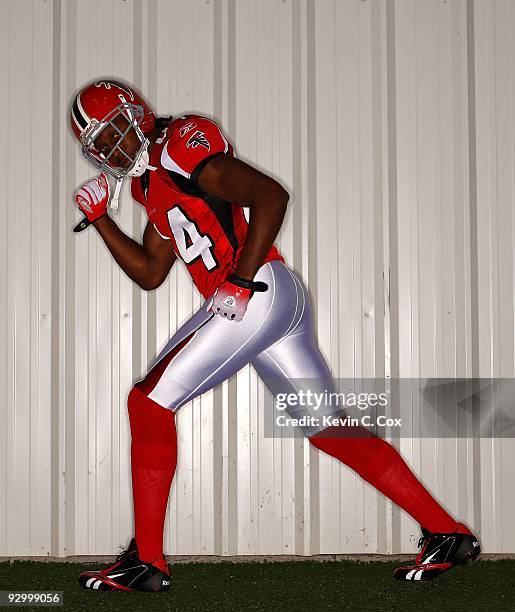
275, 336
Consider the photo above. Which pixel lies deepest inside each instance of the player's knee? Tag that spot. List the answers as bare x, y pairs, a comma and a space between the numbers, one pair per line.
138, 398
311, 420
149, 420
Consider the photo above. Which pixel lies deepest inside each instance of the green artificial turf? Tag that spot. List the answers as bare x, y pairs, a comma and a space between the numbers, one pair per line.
304, 585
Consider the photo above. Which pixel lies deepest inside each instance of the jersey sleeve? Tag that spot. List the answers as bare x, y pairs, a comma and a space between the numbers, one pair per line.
192, 144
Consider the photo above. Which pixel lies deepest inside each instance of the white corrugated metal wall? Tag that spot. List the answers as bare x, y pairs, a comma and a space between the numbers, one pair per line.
392, 124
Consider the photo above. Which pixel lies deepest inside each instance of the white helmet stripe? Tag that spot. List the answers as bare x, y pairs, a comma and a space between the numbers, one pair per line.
84, 114
80, 117
79, 126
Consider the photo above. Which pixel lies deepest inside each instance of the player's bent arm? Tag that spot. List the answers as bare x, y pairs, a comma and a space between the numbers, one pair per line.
235, 181
161, 257
148, 264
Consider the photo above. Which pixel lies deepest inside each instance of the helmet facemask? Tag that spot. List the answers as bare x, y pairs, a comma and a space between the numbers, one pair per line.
137, 162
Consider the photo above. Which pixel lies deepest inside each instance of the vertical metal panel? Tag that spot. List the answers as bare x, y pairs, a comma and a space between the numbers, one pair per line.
391, 123
26, 303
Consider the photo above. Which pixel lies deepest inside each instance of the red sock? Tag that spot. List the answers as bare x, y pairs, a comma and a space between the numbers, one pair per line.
153, 461
380, 464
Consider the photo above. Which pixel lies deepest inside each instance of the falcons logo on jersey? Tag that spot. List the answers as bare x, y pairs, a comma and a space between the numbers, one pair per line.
198, 140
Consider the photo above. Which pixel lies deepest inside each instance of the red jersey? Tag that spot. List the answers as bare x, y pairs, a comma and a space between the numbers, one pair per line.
206, 232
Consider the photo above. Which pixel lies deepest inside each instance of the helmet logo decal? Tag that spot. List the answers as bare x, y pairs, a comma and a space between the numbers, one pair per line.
109, 84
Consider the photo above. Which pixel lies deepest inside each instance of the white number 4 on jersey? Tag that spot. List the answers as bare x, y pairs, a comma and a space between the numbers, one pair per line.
200, 246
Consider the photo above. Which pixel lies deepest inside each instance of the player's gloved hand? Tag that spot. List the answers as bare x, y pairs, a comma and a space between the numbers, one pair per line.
93, 196
232, 297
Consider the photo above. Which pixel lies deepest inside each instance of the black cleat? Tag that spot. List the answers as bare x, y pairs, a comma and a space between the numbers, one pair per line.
128, 573
440, 552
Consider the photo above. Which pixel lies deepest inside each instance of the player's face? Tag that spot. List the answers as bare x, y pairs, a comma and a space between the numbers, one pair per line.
129, 144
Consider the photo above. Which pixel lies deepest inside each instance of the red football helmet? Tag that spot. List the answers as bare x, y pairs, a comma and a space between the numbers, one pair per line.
97, 106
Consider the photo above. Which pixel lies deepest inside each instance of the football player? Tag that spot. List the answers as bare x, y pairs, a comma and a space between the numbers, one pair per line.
193, 189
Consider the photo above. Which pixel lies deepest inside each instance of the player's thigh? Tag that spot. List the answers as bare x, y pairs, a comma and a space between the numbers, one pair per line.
294, 358
295, 366
295, 355
208, 349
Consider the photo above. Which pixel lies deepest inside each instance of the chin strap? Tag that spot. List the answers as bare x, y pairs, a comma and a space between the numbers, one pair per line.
116, 195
